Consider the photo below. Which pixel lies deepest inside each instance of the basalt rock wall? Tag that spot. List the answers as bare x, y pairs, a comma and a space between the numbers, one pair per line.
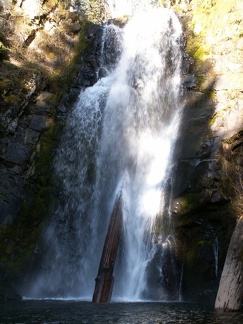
207, 182
47, 55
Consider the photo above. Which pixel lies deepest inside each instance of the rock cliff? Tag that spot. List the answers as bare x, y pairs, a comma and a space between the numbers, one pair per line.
43, 68
207, 186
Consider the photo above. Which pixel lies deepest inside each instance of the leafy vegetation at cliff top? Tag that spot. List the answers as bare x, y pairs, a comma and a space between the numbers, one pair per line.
206, 32
43, 48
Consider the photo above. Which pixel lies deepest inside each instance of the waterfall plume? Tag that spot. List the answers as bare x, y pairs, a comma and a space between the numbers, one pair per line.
119, 136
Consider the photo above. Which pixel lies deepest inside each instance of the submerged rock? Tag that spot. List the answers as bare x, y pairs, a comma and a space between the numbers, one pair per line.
8, 293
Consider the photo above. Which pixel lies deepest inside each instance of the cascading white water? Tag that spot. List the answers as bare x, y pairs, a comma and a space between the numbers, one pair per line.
120, 136
146, 94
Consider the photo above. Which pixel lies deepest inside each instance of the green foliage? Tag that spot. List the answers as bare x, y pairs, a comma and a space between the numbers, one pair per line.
12, 99
204, 30
1, 34
3, 50
5, 85
3, 47
203, 243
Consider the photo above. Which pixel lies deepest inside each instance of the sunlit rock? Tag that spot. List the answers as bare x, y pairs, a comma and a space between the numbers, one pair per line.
229, 297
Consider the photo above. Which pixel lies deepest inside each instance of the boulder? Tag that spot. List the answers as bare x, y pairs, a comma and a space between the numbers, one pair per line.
229, 297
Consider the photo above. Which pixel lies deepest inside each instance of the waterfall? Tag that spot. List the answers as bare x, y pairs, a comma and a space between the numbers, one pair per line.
119, 136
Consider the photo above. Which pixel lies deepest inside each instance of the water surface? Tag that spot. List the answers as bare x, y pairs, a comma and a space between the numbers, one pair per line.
54, 311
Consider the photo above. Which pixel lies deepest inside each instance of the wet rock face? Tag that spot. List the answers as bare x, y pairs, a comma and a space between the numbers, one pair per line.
16, 150
99, 54
206, 186
8, 294
202, 214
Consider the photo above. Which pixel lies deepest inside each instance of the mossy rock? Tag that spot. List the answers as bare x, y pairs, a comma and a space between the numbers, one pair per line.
12, 99
18, 240
5, 85
3, 51
191, 201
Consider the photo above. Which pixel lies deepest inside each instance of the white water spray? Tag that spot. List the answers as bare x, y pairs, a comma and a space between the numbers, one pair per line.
148, 78
120, 134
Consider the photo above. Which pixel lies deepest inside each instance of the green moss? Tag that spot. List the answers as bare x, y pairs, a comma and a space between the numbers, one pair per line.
202, 53
60, 80
192, 201
18, 240
187, 203
197, 46
219, 114
213, 119
162, 224
3, 51
1, 34
210, 93
205, 242
202, 25
3, 48
5, 85
51, 55
191, 255
12, 99
203, 33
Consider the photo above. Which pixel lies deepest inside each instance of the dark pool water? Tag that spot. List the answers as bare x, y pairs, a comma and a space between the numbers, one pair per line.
52, 311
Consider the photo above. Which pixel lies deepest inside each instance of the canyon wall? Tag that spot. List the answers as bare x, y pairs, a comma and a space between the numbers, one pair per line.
42, 70
207, 186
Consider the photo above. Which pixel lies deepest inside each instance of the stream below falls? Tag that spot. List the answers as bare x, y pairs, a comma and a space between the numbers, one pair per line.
54, 311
